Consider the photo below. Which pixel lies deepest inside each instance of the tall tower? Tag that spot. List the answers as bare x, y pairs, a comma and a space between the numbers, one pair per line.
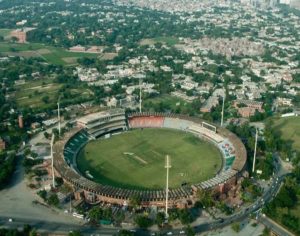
58, 116
167, 166
140, 83
255, 146
52, 163
222, 114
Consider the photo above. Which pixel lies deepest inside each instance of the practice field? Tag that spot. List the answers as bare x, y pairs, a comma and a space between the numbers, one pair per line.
289, 128
136, 159
54, 55
170, 41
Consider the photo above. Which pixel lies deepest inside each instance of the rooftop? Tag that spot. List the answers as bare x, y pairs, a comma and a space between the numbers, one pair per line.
102, 114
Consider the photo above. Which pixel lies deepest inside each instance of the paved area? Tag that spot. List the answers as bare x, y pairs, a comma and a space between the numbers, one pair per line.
17, 201
247, 229
278, 229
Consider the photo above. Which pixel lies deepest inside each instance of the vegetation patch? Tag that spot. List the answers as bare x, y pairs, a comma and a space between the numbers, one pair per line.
170, 41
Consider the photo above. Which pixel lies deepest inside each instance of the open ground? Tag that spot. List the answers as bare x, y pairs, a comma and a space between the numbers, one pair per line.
289, 128
53, 55
136, 159
31, 93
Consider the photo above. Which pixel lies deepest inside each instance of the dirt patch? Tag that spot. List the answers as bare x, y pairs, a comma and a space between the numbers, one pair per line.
22, 98
108, 56
136, 157
26, 54
41, 87
43, 51
147, 42
70, 60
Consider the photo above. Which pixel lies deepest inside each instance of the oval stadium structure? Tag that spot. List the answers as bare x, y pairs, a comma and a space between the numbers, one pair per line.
99, 124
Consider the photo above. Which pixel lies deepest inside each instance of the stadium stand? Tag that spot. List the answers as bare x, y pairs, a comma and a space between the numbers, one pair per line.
146, 122
176, 123
197, 129
73, 146
103, 122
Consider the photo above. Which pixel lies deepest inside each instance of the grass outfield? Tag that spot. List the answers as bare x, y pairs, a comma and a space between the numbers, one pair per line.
136, 159
290, 129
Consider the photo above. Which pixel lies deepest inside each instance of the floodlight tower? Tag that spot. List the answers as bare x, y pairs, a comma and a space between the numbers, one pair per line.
52, 157
255, 147
58, 116
140, 83
167, 166
222, 113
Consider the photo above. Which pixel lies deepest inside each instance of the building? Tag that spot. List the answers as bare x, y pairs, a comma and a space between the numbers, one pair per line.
103, 122
20, 35
249, 103
247, 108
2, 144
284, 102
246, 112
21, 122
210, 103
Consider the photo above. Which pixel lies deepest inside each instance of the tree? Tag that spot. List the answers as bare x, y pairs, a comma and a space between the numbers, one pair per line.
189, 231
14, 39
46, 135
135, 201
75, 233
45, 99
143, 221
27, 152
124, 232
286, 197
33, 232
95, 214
185, 216
160, 218
205, 198
266, 232
236, 227
26, 229
53, 200
59, 181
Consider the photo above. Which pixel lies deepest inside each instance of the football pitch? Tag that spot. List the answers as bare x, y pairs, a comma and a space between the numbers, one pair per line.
136, 159
289, 128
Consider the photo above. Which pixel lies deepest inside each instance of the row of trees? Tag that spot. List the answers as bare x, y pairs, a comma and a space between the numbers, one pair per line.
7, 167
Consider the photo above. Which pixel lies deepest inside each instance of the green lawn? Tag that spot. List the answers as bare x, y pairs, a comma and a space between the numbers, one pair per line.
5, 32
136, 159
54, 55
290, 129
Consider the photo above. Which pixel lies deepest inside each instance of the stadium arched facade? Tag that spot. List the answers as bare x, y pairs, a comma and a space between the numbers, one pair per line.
99, 124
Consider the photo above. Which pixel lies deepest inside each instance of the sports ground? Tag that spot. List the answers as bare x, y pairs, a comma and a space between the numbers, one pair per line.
289, 128
136, 159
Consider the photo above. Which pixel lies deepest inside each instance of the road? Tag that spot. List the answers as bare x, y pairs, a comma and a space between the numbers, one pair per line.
17, 200
274, 226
